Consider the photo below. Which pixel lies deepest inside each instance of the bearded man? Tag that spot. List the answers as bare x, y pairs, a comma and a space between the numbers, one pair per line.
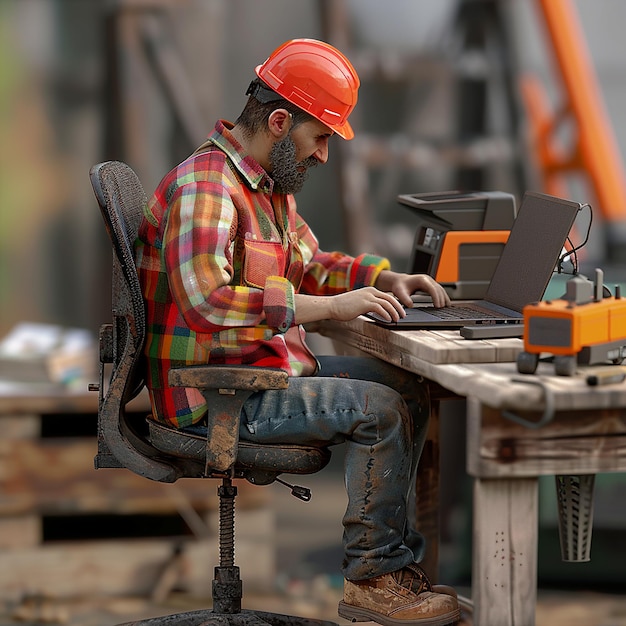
230, 272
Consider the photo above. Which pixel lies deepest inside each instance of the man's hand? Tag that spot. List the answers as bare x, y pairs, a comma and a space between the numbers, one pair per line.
404, 285
346, 306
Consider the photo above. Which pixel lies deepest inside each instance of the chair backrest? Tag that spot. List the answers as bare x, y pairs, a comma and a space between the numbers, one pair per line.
121, 443
121, 199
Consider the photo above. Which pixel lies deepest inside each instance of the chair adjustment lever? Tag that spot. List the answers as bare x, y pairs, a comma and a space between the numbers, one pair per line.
302, 493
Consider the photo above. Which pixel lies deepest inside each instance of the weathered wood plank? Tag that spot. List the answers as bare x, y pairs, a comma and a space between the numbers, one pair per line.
484, 369
123, 567
22, 399
18, 427
52, 476
576, 442
19, 532
504, 563
431, 346
56, 476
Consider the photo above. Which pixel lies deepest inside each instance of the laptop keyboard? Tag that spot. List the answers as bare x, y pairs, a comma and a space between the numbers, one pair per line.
458, 312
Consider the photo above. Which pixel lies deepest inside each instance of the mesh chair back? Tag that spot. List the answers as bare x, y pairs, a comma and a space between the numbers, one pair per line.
121, 199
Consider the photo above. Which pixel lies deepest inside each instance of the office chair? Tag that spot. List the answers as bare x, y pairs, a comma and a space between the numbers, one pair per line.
164, 454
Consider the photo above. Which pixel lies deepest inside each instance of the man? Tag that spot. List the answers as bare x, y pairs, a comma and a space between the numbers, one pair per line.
230, 272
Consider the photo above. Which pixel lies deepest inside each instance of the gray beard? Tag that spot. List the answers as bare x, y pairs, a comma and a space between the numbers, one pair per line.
285, 174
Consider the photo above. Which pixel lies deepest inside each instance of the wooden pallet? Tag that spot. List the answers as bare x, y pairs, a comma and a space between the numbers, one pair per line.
145, 567
69, 530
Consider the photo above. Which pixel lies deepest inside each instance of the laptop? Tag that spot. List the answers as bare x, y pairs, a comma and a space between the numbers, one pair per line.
521, 276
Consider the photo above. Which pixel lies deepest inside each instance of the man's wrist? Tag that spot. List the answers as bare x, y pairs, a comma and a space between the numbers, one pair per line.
385, 279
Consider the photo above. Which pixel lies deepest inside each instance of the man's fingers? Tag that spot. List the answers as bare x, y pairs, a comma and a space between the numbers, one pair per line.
388, 307
440, 298
437, 293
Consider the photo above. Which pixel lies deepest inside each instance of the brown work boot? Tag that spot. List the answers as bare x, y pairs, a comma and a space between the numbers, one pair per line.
400, 598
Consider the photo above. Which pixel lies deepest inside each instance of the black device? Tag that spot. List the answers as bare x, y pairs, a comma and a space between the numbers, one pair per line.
459, 237
492, 331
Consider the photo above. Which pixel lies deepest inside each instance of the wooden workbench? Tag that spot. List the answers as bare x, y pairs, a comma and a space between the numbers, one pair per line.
520, 427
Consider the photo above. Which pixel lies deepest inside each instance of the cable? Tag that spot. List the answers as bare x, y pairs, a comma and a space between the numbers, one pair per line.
574, 251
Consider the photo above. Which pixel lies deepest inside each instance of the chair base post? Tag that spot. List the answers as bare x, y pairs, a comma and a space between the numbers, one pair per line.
227, 590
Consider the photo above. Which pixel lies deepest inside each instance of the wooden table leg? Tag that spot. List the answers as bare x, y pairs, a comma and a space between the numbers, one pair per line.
504, 563
427, 495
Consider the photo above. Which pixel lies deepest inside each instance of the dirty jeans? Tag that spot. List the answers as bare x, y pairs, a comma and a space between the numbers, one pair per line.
381, 414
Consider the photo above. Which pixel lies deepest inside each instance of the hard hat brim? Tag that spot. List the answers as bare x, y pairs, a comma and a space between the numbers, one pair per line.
344, 131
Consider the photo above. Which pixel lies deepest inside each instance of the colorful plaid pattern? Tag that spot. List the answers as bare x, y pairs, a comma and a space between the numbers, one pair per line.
220, 257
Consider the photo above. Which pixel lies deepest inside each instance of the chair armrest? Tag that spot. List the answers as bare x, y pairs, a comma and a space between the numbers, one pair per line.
225, 389
244, 377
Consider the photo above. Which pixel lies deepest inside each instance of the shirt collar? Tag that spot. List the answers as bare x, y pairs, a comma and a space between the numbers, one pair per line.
251, 171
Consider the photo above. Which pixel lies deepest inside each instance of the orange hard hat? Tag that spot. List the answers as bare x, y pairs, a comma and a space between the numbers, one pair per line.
315, 77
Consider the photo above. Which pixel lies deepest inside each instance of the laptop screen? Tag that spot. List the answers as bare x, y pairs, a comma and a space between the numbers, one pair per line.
532, 250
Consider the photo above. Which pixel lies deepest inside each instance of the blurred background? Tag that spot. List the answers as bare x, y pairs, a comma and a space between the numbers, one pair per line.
441, 107
456, 95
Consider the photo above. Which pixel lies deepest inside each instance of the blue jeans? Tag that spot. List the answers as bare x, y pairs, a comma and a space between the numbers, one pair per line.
381, 414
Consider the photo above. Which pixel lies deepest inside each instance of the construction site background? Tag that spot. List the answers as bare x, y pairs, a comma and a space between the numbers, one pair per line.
442, 106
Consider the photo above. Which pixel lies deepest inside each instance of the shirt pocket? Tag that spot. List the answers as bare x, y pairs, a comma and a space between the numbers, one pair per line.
262, 259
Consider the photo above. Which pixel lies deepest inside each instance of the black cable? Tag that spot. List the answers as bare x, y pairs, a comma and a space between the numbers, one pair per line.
574, 250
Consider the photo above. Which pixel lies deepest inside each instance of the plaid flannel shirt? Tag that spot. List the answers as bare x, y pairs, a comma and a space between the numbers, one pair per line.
220, 257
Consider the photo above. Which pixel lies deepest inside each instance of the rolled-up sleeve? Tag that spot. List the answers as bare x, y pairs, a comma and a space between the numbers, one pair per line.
279, 303
364, 270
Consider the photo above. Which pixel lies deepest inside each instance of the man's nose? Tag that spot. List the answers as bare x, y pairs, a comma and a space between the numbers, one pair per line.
321, 154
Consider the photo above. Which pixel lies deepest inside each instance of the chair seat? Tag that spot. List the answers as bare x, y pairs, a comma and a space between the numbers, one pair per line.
273, 458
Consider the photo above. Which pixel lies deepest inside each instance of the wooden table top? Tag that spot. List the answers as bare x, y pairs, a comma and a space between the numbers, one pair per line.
484, 369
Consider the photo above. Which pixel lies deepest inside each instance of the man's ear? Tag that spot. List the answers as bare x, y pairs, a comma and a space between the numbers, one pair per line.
279, 123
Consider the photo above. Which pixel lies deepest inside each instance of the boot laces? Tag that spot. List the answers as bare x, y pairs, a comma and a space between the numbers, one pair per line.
414, 578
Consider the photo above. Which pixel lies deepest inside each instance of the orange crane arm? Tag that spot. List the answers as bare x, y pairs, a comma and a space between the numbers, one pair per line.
596, 151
